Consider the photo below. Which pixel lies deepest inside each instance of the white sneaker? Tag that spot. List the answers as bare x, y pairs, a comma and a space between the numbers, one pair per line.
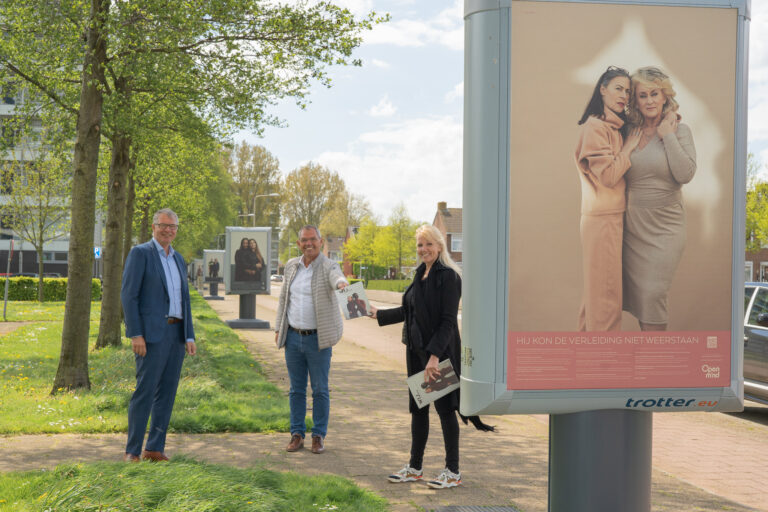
445, 479
407, 474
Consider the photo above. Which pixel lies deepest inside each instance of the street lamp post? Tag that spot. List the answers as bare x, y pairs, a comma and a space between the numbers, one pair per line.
253, 204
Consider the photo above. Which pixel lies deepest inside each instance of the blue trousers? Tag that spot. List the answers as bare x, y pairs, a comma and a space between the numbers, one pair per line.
157, 378
302, 358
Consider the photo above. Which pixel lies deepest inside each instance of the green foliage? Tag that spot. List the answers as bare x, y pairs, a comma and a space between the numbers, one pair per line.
183, 484
370, 271
201, 193
757, 207
359, 248
308, 194
222, 389
54, 288
392, 285
255, 173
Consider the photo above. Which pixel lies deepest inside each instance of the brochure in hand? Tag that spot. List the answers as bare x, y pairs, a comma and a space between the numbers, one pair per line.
425, 393
353, 301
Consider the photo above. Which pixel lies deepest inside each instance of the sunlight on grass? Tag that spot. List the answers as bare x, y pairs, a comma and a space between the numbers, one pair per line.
182, 484
222, 389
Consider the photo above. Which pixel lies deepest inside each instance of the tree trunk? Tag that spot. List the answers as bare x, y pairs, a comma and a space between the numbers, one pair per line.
146, 221
130, 205
110, 332
40, 267
73, 362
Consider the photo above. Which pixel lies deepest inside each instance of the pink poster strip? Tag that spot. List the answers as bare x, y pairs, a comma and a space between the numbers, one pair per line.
616, 360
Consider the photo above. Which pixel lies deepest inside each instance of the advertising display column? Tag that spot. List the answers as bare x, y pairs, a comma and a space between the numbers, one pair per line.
604, 178
213, 272
247, 270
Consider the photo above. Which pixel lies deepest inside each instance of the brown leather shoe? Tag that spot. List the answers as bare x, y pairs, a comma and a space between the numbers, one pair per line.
154, 456
317, 444
129, 457
296, 444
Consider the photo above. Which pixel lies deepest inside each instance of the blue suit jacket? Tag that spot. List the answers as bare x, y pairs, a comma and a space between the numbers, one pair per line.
145, 295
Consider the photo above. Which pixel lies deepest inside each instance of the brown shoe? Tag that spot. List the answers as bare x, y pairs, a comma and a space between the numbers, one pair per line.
129, 457
317, 444
154, 456
296, 444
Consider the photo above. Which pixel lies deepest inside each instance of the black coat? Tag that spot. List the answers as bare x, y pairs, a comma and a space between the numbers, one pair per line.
430, 314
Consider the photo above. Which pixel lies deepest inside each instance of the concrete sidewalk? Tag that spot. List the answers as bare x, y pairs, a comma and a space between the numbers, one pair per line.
369, 437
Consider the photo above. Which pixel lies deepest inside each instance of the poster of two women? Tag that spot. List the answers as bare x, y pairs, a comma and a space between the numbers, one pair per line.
622, 143
247, 256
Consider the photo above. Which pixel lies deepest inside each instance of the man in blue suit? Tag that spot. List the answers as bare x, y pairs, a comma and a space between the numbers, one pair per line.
158, 319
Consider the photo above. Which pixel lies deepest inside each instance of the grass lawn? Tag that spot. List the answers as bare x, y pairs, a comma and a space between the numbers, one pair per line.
182, 484
222, 389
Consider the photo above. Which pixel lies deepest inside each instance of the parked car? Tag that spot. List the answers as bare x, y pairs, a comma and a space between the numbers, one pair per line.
277, 278
756, 342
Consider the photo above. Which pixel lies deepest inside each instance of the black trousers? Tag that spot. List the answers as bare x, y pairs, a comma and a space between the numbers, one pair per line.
420, 434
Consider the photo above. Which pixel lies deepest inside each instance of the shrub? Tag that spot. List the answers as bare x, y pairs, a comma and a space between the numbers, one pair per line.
392, 285
54, 288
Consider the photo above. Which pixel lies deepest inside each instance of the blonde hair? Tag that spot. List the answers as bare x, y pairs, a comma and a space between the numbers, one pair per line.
434, 235
651, 76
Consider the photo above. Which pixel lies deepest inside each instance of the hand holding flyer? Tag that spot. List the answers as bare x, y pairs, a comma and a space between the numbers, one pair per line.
353, 301
425, 393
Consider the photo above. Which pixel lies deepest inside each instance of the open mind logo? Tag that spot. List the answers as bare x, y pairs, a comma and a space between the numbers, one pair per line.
711, 372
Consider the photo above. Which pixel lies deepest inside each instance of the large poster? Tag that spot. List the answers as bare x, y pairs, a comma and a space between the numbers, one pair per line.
620, 257
247, 260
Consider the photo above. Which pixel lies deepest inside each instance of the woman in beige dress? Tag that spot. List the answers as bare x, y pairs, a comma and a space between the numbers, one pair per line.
602, 158
654, 221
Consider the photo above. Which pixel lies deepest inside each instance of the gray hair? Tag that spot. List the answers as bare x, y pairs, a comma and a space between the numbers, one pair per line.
164, 211
310, 226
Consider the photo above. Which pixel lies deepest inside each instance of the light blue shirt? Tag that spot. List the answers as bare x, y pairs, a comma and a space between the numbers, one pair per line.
172, 279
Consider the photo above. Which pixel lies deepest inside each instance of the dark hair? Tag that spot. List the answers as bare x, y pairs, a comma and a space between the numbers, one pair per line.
595, 106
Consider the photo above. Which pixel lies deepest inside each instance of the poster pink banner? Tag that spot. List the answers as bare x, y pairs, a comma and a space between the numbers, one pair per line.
614, 360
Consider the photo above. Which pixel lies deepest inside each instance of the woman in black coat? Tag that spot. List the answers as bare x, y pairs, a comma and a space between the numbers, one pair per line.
431, 333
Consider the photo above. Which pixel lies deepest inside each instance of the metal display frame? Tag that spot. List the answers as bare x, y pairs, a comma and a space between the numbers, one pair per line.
247, 312
599, 447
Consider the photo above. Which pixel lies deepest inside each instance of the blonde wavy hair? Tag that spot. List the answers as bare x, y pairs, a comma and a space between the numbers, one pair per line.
434, 235
651, 76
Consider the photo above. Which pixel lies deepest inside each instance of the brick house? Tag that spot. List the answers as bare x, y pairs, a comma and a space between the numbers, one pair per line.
448, 221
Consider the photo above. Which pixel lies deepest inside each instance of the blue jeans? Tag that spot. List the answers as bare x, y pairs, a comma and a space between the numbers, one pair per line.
303, 358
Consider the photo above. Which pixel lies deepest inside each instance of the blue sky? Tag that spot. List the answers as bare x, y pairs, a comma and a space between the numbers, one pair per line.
393, 128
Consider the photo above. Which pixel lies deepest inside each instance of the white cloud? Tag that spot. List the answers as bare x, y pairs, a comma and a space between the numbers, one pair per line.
758, 75
384, 108
417, 162
380, 63
456, 93
446, 29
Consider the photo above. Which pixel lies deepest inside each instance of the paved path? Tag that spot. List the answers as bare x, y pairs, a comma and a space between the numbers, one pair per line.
702, 462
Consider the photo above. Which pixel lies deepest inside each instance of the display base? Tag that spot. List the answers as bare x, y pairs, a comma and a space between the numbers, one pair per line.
213, 297
248, 323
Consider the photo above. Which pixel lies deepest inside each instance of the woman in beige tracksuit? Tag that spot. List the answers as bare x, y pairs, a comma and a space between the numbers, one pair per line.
602, 158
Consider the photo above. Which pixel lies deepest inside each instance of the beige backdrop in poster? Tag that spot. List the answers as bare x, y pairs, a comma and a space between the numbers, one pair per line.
558, 51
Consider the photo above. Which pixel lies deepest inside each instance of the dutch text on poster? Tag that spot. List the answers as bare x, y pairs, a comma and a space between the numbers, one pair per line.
608, 360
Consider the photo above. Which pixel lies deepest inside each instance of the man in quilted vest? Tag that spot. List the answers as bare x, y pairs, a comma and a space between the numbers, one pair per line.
308, 324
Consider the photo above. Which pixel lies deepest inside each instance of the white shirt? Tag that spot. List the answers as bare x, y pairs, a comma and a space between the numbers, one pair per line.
301, 308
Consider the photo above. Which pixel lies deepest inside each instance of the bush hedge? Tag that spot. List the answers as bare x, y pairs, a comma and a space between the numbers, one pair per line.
392, 285
54, 288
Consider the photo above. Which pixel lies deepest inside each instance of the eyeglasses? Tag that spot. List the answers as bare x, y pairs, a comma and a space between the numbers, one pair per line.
172, 227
